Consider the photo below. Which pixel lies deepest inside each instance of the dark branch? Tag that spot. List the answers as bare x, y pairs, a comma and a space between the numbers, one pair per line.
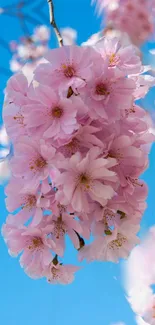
53, 22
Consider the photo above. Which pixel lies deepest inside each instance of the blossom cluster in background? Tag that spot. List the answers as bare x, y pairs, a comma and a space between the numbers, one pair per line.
30, 49
136, 18
80, 145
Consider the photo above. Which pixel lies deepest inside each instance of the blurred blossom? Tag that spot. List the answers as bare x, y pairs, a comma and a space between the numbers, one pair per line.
4, 171
140, 321
69, 35
139, 277
93, 39
4, 139
4, 155
30, 49
133, 17
41, 33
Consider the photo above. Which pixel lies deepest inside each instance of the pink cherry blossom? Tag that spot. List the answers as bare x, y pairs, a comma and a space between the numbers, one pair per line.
105, 219
53, 116
61, 225
108, 95
84, 178
14, 121
82, 141
124, 59
34, 244
69, 65
32, 161
30, 200
143, 84
16, 90
60, 274
115, 245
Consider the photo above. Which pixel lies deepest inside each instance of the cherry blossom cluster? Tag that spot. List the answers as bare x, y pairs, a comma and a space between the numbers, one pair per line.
30, 49
140, 278
136, 18
81, 143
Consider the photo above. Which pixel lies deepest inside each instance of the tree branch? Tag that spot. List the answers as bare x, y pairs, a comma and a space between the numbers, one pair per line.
53, 22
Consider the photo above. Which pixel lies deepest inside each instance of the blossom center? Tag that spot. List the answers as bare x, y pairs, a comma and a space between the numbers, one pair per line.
85, 180
101, 89
109, 214
134, 181
36, 243
57, 112
55, 273
117, 243
72, 146
19, 119
38, 164
59, 229
141, 15
130, 6
68, 70
115, 154
113, 59
30, 201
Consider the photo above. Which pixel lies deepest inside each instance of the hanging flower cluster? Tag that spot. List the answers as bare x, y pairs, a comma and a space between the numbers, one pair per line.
80, 146
30, 49
136, 18
140, 279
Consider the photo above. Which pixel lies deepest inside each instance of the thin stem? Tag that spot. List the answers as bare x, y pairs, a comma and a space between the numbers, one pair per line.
53, 22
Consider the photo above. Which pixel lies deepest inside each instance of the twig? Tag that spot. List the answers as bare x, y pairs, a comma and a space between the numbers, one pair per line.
53, 23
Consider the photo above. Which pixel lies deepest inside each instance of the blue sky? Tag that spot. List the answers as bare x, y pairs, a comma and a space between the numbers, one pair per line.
96, 295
